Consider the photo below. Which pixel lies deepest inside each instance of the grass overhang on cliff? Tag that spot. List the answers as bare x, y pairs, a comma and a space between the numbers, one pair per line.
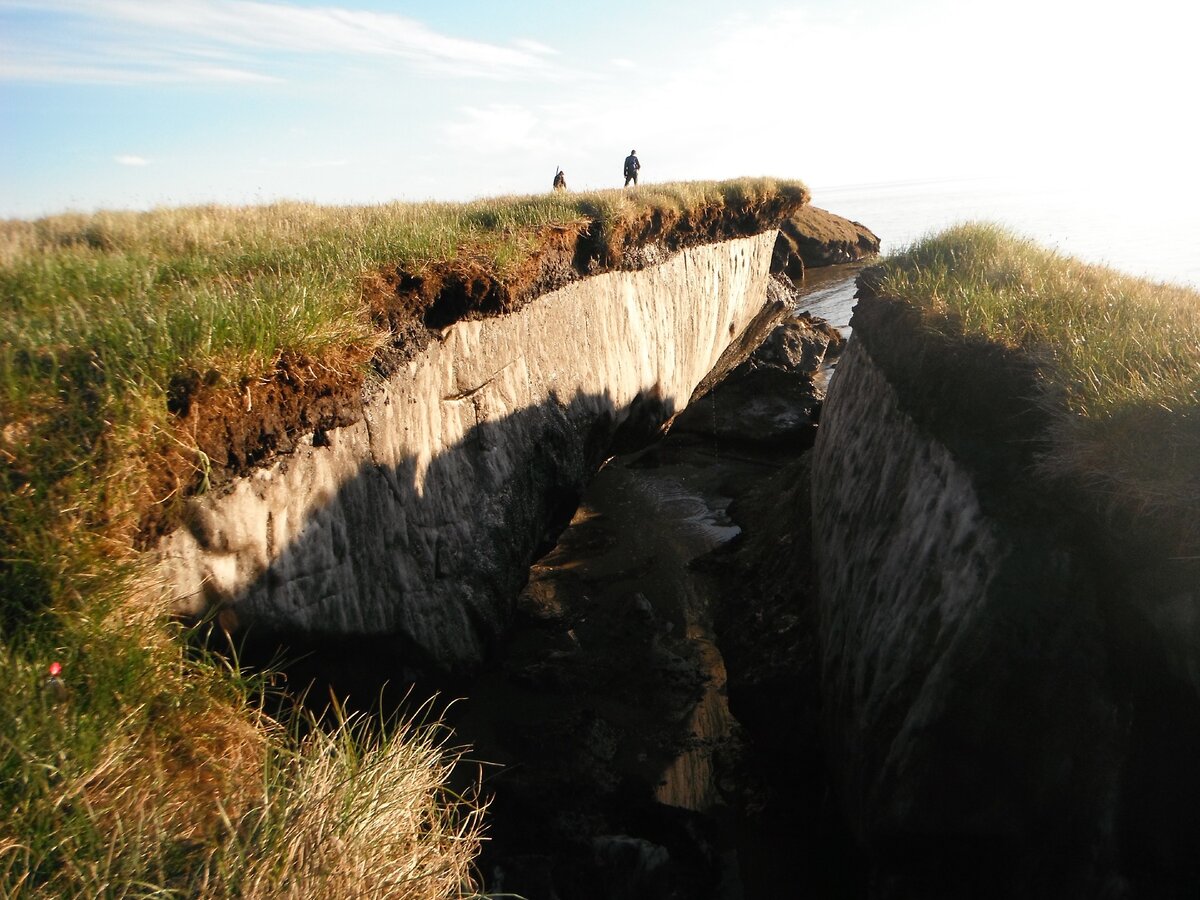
1115, 362
181, 347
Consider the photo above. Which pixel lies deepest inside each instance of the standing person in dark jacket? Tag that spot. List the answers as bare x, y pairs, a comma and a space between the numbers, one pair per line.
631, 168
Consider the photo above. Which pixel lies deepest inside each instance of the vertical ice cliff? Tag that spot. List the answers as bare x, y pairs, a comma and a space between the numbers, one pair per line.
420, 519
1002, 713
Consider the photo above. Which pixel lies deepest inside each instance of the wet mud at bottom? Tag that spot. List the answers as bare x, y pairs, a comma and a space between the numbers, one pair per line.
618, 768
606, 712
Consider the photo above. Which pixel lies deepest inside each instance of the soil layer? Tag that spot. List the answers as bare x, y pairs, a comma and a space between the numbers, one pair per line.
239, 426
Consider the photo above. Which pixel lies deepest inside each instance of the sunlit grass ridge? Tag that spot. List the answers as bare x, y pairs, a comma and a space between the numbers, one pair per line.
1119, 356
234, 287
1115, 340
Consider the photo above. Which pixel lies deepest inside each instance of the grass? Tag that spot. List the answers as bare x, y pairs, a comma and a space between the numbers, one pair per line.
375, 818
1119, 356
157, 779
142, 294
161, 776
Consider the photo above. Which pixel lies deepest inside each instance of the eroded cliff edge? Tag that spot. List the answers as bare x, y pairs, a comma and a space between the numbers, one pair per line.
1007, 690
420, 519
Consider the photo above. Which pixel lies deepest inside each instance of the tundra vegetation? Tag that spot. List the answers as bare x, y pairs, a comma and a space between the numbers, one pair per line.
161, 772
1117, 358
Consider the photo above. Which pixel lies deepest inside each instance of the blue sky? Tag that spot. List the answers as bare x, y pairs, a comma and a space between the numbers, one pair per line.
139, 103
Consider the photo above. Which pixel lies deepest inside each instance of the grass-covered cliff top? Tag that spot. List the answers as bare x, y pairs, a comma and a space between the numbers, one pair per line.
178, 317
234, 288
140, 355
1117, 358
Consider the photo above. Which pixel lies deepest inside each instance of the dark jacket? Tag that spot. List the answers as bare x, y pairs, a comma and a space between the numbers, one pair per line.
631, 165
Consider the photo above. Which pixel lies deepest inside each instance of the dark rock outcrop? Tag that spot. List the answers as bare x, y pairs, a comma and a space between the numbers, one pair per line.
608, 700
801, 344
771, 397
813, 237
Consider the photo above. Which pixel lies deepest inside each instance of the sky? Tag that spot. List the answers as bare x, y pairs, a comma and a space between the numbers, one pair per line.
132, 104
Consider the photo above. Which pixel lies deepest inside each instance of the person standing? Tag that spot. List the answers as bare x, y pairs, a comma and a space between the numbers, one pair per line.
631, 168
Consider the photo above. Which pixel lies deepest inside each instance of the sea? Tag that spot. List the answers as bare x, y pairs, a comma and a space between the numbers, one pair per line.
1149, 228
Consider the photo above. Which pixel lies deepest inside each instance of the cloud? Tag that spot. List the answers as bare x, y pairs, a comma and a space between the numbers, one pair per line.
126, 159
496, 128
536, 47
51, 69
90, 36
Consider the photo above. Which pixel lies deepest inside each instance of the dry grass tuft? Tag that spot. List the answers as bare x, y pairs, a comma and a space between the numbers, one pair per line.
366, 816
160, 775
179, 775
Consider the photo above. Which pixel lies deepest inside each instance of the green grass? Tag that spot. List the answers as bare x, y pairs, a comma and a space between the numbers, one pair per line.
1119, 356
158, 777
142, 294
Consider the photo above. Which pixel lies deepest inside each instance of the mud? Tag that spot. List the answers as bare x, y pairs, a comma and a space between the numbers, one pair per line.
621, 769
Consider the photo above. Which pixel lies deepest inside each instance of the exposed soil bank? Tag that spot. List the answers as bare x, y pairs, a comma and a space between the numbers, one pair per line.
421, 520
244, 426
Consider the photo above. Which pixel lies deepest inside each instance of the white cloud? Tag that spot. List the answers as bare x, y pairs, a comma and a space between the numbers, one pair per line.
325, 164
533, 46
60, 71
105, 34
497, 128
226, 74
127, 159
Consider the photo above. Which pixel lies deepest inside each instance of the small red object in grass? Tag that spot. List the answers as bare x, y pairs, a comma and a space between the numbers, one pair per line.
55, 687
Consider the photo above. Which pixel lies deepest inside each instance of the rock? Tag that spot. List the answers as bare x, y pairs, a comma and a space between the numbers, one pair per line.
786, 259
634, 867
770, 399
759, 406
814, 237
802, 342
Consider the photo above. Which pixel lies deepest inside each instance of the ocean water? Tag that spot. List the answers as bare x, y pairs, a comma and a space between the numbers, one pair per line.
828, 293
1149, 228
